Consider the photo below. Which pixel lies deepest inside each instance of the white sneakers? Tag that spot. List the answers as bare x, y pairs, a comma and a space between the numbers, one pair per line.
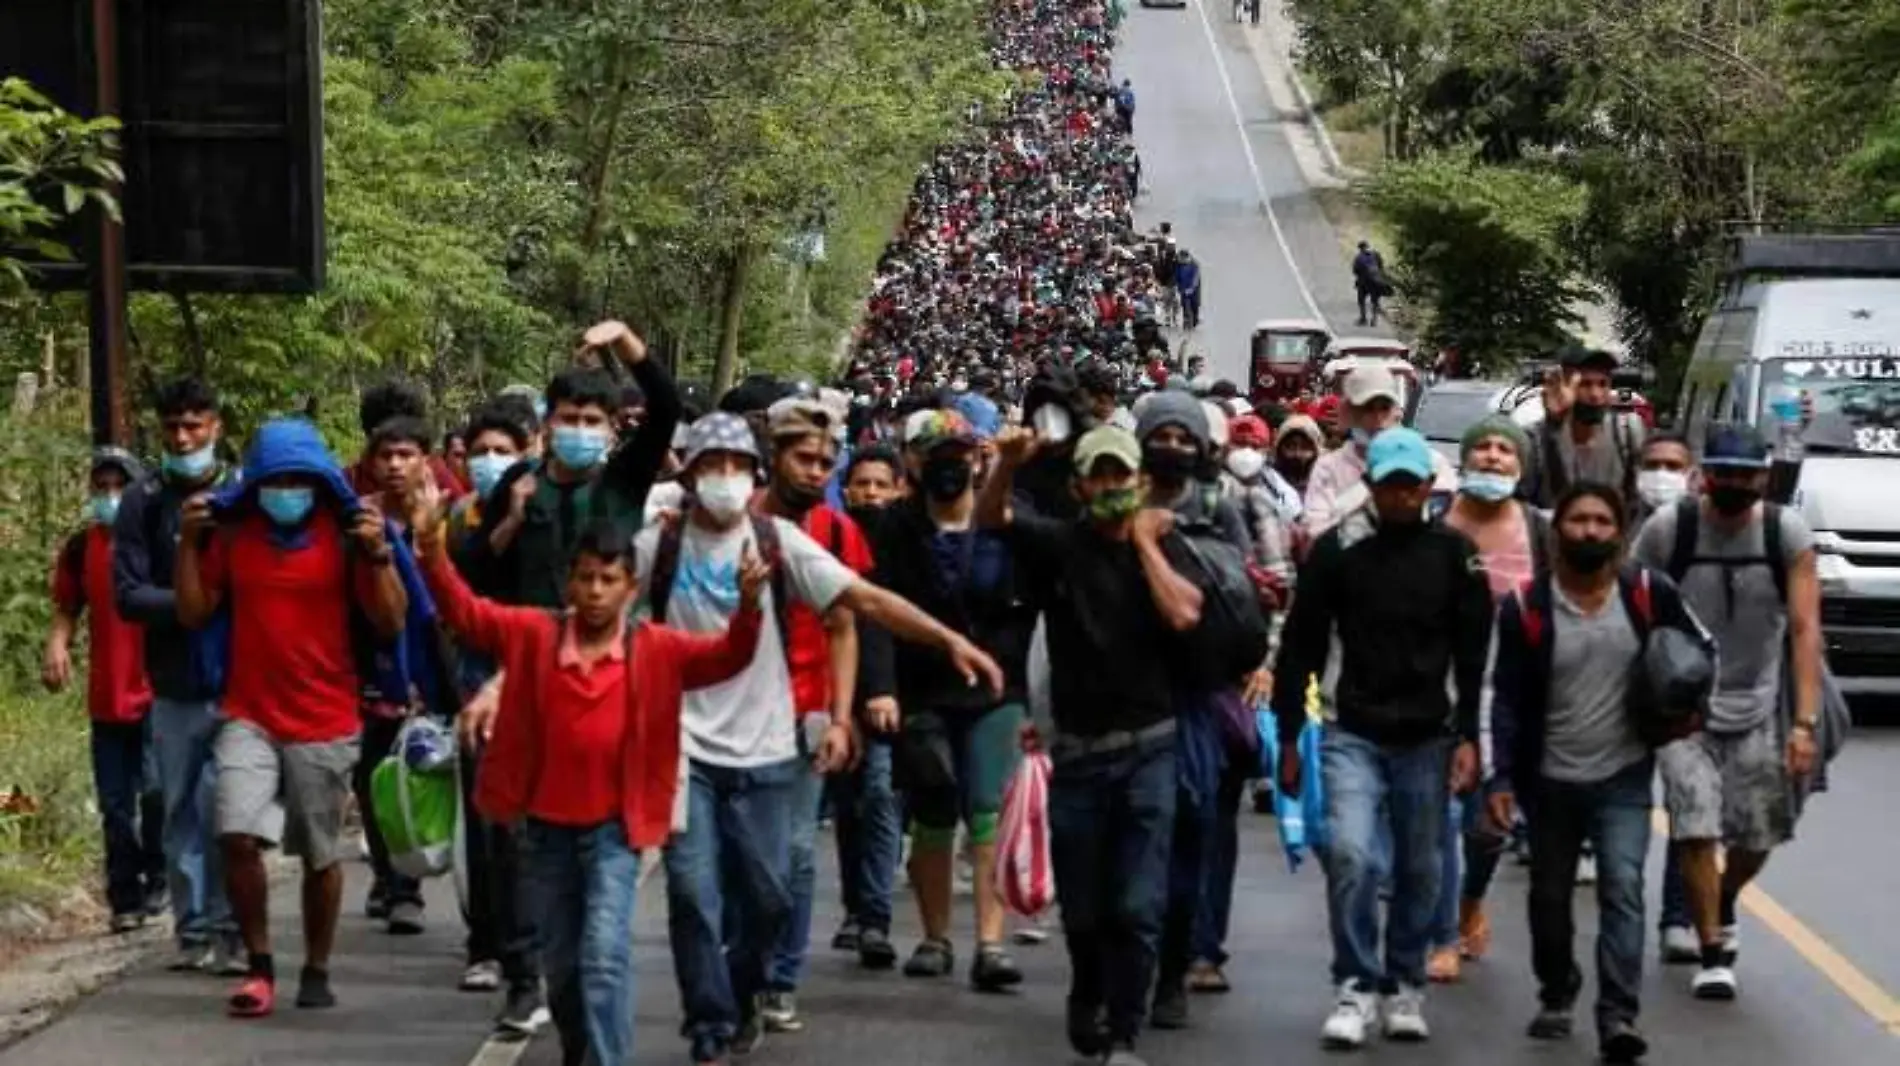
1718, 982
1356, 1014
1679, 945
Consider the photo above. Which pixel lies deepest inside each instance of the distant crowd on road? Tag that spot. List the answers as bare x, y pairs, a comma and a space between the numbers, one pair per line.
657, 629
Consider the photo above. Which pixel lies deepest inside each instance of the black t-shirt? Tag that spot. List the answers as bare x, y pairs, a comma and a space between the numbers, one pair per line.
1108, 644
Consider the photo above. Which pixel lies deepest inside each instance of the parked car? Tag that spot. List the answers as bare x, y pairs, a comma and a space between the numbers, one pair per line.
1449, 408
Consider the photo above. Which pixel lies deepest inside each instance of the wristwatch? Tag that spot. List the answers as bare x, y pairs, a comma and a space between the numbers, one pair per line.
1805, 727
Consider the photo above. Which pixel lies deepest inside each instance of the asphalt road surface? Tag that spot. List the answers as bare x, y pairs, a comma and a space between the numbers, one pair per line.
1216, 162
1820, 963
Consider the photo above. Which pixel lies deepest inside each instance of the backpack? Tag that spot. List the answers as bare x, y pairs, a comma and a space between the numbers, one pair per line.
1682, 555
1660, 724
1231, 640
666, 566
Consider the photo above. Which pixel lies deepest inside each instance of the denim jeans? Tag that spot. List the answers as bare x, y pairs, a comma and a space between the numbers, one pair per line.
736, 847
1110, 819
1222, 861
182, 732
808, 800
1402, 790
870, 837
379, 736
580, 883
500, 926
118, 770
1614, 815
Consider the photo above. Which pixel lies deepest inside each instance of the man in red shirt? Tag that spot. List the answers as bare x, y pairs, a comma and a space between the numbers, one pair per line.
118, 695
822, 654
303, 568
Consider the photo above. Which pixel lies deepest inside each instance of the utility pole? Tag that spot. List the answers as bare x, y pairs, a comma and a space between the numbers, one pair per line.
107, 335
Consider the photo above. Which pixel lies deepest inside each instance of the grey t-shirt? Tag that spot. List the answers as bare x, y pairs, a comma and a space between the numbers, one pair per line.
1601, 458
1589, 736
1738, 604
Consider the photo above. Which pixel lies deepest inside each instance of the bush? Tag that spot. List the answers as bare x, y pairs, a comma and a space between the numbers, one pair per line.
49, 822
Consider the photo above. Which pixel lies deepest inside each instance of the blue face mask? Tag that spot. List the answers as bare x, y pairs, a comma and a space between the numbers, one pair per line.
105, 508
287, 505
578, 447
191, 465
486, 471
1491, 488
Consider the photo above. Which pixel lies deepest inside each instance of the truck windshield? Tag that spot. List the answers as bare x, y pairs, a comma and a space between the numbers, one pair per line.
1288, 351
1855, 402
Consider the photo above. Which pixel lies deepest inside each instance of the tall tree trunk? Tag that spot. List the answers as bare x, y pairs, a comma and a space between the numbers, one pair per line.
731, 317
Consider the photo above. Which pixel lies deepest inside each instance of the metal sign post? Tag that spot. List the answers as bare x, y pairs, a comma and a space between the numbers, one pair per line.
110, 424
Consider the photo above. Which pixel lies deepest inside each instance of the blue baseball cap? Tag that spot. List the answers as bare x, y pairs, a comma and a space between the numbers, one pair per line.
1399, 451
1734, 446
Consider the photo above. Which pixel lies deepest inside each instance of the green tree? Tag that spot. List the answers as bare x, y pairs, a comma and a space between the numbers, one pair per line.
1487, 249
51, 165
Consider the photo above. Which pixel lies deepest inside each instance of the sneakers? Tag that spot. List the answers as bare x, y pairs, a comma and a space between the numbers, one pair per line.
1122, 1055
1731, 944
229, 959
193, 958
849, 936
484, 976
875, 951
1206, 977
1170, 1010
1354, 1016
405, 919
313, 989
523, 1014
376, 907
1713, 983
1679, 945
1551, 1023
158, 901
1587, 870
993, 970
933, 958
779, 1012
1405, 1015
1623, 1044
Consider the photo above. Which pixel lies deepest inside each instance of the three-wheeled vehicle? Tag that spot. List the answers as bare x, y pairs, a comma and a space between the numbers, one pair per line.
1284, 356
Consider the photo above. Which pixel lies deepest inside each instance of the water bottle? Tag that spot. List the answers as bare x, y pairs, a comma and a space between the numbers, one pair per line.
1786, 406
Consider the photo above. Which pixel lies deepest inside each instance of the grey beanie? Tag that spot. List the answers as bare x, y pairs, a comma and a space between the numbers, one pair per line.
1173, 409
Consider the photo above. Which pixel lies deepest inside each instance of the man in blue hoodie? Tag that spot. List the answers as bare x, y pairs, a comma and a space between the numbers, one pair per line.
184, 715
306, 573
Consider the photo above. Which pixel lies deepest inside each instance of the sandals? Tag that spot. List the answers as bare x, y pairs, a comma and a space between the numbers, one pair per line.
255, 997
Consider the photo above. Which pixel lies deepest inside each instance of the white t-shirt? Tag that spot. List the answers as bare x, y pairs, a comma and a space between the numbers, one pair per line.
747, 720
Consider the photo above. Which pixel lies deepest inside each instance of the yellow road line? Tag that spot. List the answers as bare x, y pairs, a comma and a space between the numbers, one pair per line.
1853, 982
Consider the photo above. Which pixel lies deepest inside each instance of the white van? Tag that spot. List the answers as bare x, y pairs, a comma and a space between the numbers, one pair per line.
1805, 345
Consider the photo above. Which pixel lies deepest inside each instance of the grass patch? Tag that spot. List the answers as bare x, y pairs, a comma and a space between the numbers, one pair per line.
49, 821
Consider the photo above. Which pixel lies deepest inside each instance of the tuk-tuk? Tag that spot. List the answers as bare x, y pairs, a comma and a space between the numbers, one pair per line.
1284, 355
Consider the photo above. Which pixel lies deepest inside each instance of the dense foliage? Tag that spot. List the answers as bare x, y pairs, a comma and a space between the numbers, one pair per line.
1674, 118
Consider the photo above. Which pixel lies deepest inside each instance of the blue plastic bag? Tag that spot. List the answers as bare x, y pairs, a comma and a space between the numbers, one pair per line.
1301, 819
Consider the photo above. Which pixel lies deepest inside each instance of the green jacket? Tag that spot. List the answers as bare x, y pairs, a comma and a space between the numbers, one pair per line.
533, 570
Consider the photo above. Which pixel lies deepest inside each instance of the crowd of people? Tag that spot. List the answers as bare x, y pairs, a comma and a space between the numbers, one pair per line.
663, 629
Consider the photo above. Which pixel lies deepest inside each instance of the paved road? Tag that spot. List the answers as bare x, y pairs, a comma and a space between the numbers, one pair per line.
1815, 969
1216, 162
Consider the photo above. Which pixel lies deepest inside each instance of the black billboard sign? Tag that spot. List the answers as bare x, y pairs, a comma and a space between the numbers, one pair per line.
223, 136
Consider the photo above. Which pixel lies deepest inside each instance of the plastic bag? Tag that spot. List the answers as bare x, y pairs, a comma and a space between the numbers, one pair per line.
1302, 819
416, 800
1025, 874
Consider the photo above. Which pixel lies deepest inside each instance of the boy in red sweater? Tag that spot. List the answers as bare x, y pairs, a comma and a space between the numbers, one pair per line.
586, 755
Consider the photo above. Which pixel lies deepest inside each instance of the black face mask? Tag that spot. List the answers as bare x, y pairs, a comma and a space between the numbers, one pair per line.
1733, 500
1168, 465
1588, 556
1295, 468
797, 498
1590, 414
946, 479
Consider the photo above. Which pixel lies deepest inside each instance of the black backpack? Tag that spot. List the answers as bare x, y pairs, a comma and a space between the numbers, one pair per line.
1231, 640
1682, 554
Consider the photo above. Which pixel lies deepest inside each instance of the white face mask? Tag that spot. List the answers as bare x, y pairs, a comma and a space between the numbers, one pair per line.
724, 496
1052, 423
1661, 488
1245, 463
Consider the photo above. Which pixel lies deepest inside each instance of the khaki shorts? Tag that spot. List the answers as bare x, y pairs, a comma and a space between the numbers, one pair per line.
289, 794
1731, 787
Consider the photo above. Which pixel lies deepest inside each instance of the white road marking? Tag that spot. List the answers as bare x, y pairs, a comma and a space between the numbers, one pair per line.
1253, 165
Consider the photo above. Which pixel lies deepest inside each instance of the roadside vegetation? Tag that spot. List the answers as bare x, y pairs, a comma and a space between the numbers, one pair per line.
1608, 141
498, 173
